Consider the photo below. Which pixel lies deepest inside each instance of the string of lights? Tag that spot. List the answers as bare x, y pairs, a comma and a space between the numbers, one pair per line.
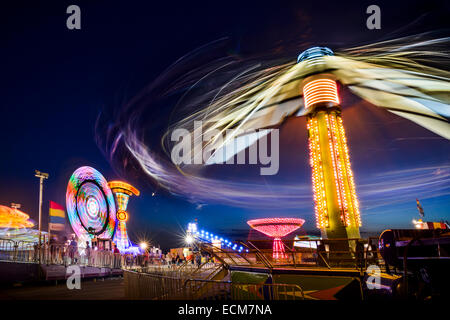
193, 234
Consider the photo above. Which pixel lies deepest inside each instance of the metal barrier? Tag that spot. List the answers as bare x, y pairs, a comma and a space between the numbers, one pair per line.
322, 253
336, 253
20, 251
140, 285
30, 252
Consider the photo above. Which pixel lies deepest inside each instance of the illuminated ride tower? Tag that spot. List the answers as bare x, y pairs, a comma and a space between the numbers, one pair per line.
123, 191
336, 204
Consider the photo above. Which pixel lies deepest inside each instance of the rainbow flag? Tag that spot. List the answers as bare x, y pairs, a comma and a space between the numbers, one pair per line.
57, 217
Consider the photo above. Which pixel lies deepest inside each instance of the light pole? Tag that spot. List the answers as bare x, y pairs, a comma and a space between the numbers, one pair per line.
41, 176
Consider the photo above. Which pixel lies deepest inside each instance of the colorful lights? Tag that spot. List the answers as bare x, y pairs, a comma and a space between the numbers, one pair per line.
90, 205
318, 181
123, 191
332, 177
14, 218
92, 210
352, 188
276, 228
123, 187
122, 215
320, 90
215, 240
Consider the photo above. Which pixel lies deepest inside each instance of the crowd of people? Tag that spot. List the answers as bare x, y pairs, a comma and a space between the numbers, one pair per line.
69, 251
192, 258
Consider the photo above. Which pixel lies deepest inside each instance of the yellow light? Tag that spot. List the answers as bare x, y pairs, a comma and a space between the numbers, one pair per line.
143, 245
120, 186
320, 204
336, 150
122, 215
14, 218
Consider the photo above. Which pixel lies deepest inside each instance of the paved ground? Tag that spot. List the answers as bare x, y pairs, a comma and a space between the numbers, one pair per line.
107, 289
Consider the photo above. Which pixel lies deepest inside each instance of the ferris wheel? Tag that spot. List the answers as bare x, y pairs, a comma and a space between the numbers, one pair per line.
90, 205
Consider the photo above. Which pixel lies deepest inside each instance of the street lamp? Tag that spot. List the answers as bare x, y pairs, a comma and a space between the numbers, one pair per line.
189, 239
41, 176
143, 245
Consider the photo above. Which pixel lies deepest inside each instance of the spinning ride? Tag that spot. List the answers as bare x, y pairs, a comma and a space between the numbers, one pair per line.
90, 205
123, 191
276, 228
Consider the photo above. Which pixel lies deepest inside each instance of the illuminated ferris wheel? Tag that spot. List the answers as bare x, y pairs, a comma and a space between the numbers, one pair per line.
90, 205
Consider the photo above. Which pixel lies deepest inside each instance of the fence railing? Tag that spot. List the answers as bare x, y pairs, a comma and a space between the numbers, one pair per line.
140, 285
323, 253
56, 254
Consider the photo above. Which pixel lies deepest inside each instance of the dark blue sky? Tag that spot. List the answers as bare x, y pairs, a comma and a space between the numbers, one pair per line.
55, 81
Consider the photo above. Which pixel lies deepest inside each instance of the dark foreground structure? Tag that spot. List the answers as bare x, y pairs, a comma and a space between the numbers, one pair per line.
400, 264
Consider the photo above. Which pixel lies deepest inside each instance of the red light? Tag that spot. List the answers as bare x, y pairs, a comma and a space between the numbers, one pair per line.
276, 228
320, 90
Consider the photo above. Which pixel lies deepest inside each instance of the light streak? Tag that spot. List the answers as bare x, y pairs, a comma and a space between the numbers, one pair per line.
392, 75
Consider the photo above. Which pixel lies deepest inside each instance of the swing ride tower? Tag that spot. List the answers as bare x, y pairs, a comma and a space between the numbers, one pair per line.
336, 203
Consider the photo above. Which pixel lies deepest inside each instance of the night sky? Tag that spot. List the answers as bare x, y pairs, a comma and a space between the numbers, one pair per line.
56, 81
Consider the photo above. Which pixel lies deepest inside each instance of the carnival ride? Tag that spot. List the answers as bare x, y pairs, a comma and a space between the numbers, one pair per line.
276, 228
309, 89
250, 101
247, 101
15, 225
123, 191
92, 210
12, 218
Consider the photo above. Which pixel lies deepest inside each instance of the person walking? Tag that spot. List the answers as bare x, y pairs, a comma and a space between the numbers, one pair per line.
87, 253
52, 245
168, 258
72, 250
198, 259
116, 257
146, 258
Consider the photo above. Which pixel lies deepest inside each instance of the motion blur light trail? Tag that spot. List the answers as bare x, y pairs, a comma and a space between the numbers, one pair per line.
14, 219
400, 76
90, 205
15, 225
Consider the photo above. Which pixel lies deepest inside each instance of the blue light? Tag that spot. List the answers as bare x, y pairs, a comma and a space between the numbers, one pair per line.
314, 52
